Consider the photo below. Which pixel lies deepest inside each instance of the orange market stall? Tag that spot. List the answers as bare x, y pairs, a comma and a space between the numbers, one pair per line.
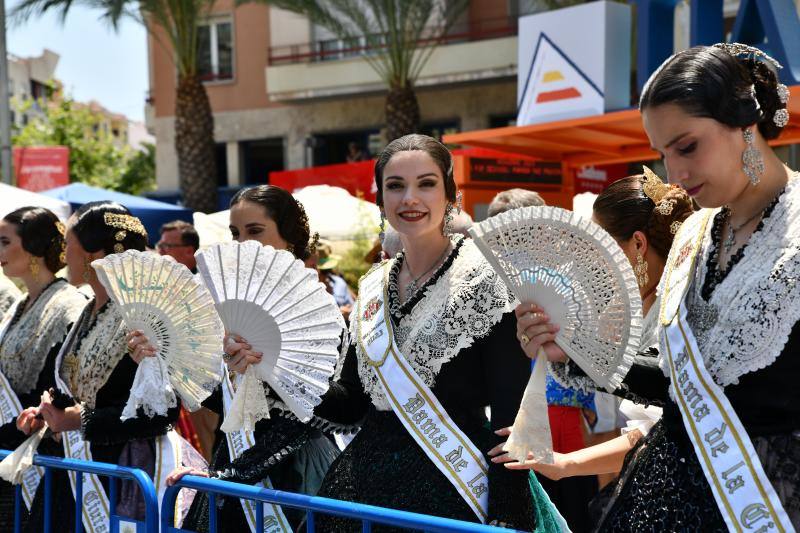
552, 155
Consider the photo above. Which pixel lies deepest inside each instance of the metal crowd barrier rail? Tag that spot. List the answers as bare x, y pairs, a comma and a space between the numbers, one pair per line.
113, 472
367, 514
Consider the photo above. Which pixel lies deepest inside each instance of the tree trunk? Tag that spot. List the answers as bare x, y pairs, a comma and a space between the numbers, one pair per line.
194, 144
402, 112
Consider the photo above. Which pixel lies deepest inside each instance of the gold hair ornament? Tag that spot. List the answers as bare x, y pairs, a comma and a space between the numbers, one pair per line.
62, 230
739, 50
653, 187
674, 227
124, 223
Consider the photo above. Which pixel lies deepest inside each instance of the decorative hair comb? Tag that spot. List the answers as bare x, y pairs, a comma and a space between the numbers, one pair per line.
124, 223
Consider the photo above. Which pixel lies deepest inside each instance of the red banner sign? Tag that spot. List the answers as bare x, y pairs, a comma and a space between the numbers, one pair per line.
38, 168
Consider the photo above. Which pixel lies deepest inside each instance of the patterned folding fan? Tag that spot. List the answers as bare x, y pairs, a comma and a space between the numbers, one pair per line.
281, 309
163, 299
579, 275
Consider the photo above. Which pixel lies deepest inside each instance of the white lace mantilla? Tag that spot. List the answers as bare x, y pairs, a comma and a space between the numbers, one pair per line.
99, 350
462, 305
746, 324
27, 342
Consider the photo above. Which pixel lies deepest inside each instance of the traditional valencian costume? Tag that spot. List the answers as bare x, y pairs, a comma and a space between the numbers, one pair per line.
29, 344
421, 374
726, 454
94, 370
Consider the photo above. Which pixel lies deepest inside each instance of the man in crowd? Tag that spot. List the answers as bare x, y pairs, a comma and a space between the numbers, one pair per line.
179, 240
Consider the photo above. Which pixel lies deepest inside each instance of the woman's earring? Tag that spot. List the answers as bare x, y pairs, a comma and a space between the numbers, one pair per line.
640, 269
447, 227
752, 159
87, 272
382, 233
34, 268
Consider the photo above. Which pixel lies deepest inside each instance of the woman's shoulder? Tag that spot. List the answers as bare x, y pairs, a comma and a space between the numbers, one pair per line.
68, 299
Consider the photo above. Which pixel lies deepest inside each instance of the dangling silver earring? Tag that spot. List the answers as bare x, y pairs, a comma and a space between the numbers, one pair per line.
752, 159
447, 228
382, 233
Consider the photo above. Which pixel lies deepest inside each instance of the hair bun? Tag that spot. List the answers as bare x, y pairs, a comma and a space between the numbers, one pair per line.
768, 95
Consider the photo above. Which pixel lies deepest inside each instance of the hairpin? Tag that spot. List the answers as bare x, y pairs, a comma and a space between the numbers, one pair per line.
653, 187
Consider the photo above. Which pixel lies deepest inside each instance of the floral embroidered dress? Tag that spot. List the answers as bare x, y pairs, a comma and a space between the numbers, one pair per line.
99, 372
28, 348
458, 333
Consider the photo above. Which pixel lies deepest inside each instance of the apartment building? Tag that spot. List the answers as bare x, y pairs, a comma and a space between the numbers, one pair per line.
28, 80
287, 94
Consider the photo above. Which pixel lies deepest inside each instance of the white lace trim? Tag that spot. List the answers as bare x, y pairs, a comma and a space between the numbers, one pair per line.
101, 349
462, 305
758, 303
26, 343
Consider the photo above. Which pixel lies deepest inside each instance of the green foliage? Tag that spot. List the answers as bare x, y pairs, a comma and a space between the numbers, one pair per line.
94, 159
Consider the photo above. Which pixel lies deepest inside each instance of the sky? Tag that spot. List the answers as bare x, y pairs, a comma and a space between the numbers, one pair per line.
96, 62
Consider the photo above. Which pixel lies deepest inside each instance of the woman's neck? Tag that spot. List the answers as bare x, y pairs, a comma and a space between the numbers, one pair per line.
648, 294
37, 285
422, 251
755, 198
100, 294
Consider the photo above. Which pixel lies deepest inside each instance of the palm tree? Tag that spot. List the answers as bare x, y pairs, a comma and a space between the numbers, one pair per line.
194, 121
405, 33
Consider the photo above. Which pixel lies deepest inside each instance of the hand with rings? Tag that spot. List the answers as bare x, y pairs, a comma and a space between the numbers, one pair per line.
535, 331
239, 354
139, 346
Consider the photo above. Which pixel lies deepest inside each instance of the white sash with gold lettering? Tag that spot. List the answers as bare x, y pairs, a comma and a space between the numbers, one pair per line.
413, 402
10, 408
239, 442
95, 509
743, 492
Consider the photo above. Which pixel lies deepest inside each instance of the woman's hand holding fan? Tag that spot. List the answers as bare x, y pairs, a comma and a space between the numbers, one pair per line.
174, 312
574, 272
270, 301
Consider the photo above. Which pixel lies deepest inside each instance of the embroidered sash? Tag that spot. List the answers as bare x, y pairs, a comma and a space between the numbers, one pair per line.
96, 516
239, 442
413, 402
10, 408
744, 494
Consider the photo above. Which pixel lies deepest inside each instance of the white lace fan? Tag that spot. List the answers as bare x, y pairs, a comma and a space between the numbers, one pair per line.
279, 306
163, 299
579, 275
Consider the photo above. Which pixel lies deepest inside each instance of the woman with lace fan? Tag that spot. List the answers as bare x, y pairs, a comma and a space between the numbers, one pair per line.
32, 332
432, 345
726, 455
93, 375
281, 452
643, 214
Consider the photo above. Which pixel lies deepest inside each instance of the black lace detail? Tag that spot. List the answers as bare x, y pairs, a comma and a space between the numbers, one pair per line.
24, 303
384, 466
399, 310
663, 488
714, 275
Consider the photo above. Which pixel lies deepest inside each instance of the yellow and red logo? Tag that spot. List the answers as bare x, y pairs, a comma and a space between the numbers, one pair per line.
555, 76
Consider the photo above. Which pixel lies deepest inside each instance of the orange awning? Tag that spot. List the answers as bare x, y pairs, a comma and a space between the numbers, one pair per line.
617, 137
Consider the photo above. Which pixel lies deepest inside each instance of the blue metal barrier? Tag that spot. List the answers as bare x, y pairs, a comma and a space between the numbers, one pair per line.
113, 472
367, 514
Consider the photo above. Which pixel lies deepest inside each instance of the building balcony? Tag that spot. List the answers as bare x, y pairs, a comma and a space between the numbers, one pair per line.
335, 68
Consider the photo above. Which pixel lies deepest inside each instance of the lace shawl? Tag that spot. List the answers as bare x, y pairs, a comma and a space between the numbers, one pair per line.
462, 305
28, 341
93, 353
745, 325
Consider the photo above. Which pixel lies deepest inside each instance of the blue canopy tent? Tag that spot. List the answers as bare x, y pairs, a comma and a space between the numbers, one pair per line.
151, 212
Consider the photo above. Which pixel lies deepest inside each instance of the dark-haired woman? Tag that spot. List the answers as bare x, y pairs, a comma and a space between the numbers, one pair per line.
282, 451
726, 455
31, 250
94, 376
432, 345
642, 214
